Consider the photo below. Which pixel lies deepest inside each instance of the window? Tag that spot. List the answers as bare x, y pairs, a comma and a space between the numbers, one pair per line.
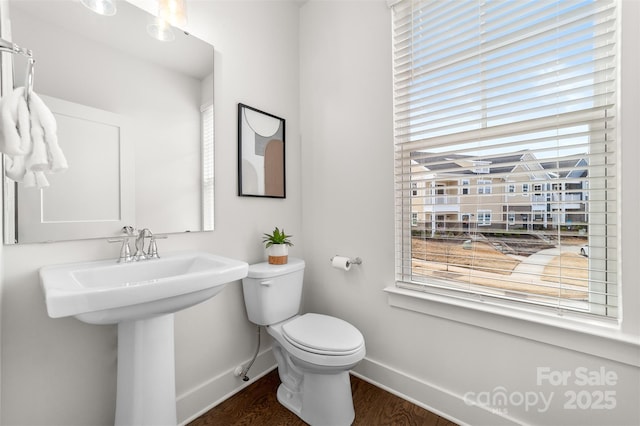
511, 188
529, 89
484, 186
206, 115
465, 187
484, 217
481, 167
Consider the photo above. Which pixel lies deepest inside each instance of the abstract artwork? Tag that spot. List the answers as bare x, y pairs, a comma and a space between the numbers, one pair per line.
261, 149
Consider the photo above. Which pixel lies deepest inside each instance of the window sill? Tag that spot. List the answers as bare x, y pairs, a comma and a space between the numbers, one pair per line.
587, 336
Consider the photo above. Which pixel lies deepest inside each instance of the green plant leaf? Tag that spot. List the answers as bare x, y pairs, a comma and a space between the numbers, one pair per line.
276, 237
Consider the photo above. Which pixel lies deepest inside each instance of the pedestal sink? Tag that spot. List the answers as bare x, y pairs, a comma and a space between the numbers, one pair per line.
141, 297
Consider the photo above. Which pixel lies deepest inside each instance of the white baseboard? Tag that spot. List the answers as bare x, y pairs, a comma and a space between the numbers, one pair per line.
197, 401
429, 396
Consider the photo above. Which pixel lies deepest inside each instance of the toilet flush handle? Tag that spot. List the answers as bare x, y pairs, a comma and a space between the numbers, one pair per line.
266, 282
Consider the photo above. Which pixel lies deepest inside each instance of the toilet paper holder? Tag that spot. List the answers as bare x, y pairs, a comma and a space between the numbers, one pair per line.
356, 261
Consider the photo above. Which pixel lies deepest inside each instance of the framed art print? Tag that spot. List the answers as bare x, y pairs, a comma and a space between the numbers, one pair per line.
261, 153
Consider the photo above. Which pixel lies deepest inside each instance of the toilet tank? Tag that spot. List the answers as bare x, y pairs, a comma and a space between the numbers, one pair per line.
272, 293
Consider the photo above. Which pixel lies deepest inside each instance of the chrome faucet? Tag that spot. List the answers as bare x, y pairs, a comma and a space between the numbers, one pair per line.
140, 253
152, 250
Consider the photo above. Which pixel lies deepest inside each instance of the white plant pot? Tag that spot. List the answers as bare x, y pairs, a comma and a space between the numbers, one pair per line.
278, 254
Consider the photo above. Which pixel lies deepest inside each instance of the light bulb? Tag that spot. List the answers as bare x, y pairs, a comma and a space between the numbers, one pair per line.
101, 7
173, 12
160, 29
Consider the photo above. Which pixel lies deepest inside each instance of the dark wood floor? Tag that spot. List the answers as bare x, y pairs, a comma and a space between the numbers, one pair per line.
257, 405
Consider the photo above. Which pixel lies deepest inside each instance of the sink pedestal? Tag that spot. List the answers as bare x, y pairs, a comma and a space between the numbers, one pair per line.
141, 298
146, 373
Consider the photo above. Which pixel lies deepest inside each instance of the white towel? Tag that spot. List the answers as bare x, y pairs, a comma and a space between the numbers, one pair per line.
14, 167
28, 136
35, 180
37, 159
46, 154
14, 124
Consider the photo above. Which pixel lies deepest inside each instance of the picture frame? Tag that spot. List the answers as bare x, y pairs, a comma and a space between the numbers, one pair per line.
261, 153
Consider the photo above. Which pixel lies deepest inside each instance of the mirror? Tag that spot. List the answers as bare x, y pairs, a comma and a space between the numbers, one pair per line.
135, 121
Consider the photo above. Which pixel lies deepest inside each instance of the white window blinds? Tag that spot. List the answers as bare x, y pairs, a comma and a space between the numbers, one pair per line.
505, 150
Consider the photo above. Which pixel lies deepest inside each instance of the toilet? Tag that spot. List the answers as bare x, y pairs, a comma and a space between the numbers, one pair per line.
314, 352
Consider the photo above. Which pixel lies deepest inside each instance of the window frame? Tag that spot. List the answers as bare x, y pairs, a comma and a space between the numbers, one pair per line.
482, 219
207, 172
612, 339
484, 186
464, 186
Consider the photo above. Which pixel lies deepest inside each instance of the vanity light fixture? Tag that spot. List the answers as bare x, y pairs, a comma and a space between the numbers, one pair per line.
101, 7
160, 29
173, 11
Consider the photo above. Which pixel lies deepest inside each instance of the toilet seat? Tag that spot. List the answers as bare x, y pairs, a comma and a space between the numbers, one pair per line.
306, 354
323, 334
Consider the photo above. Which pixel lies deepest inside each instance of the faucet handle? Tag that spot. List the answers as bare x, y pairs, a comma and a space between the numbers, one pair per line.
153, 246
128, 230
125, 250
153, 249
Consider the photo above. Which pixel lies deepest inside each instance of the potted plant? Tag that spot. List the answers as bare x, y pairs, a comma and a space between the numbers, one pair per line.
277, 244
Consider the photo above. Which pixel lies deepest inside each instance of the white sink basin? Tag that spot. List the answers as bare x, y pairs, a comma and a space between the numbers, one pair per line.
106, 292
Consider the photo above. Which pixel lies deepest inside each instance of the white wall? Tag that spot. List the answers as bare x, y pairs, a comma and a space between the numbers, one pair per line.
337, 90
346, 128
61, 371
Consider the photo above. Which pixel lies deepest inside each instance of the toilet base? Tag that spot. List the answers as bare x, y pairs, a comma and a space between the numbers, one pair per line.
324, 399
317, 392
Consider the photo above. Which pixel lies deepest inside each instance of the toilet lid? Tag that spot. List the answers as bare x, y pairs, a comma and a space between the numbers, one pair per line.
323, 334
